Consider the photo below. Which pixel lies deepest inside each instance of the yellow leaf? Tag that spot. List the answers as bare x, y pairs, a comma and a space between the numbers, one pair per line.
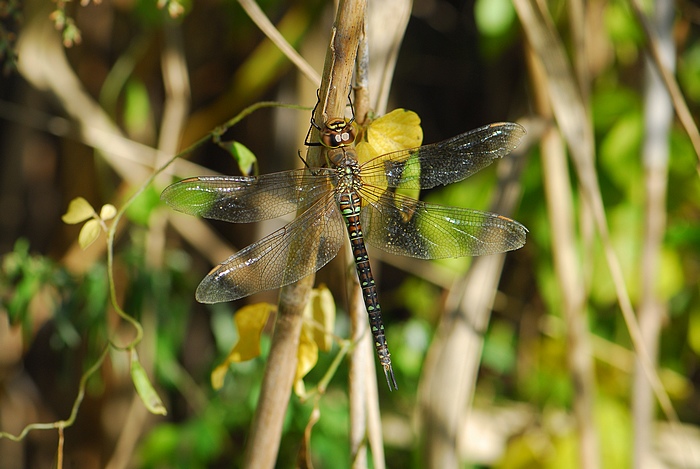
108, 211
79, 210
299, 388
250, 321
398, 130
218, 375
144, 388
307, 355
321, 310
89, 233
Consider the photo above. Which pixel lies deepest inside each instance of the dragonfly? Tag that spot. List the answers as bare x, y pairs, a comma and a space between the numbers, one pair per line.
346, 199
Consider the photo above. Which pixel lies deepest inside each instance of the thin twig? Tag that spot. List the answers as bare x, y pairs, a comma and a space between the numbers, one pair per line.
560, 207
658, 118
577, 131
362, 356
261, 20
389, 18
657, 55
74, 410
449, 373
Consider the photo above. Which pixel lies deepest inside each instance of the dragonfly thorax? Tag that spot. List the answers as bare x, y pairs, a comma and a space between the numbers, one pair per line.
347, 170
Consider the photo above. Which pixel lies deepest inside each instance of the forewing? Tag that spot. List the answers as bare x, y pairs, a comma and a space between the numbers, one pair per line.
446, 162
242, 199
283, 257
409, 227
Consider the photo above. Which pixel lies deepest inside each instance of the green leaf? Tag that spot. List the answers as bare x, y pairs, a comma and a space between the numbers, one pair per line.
494, 17
499, 351
247, 162
144, 388
141, 208
620, 148
689, 72
137, 108
89, 233
79, 210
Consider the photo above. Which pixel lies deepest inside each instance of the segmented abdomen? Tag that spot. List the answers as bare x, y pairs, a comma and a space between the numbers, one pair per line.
350, 205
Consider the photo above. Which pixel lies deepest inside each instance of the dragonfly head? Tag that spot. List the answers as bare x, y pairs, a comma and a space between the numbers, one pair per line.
337, 133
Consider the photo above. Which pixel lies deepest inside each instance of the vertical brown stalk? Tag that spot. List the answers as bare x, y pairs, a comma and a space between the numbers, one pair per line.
449, 374
266, 429
658, 117
569, 276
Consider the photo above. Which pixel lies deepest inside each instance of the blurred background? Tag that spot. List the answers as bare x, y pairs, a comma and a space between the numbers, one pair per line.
94, 96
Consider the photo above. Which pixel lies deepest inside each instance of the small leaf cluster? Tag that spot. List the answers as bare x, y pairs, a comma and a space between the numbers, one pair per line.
80, 210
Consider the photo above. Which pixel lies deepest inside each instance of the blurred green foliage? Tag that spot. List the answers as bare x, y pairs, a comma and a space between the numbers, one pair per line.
522, 359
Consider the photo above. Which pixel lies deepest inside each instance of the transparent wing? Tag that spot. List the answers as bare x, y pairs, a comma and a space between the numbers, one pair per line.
408, 227
242, 199
294, 251
446, 162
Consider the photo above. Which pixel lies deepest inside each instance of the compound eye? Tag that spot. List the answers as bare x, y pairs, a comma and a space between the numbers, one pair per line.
331, 140
338, 133
346, 137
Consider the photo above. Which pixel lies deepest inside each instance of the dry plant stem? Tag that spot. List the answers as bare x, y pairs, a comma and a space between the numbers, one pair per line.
578, 25
569, 277
266, 429
449, 373
365, 418
259, 18
575, 126
339, 64
59, 452
45, 66
360, 355
134, 425
177, 88
388, 20
674, 90
560, 206
61, 424
658, 118
374, 422
362, 67
365, 422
